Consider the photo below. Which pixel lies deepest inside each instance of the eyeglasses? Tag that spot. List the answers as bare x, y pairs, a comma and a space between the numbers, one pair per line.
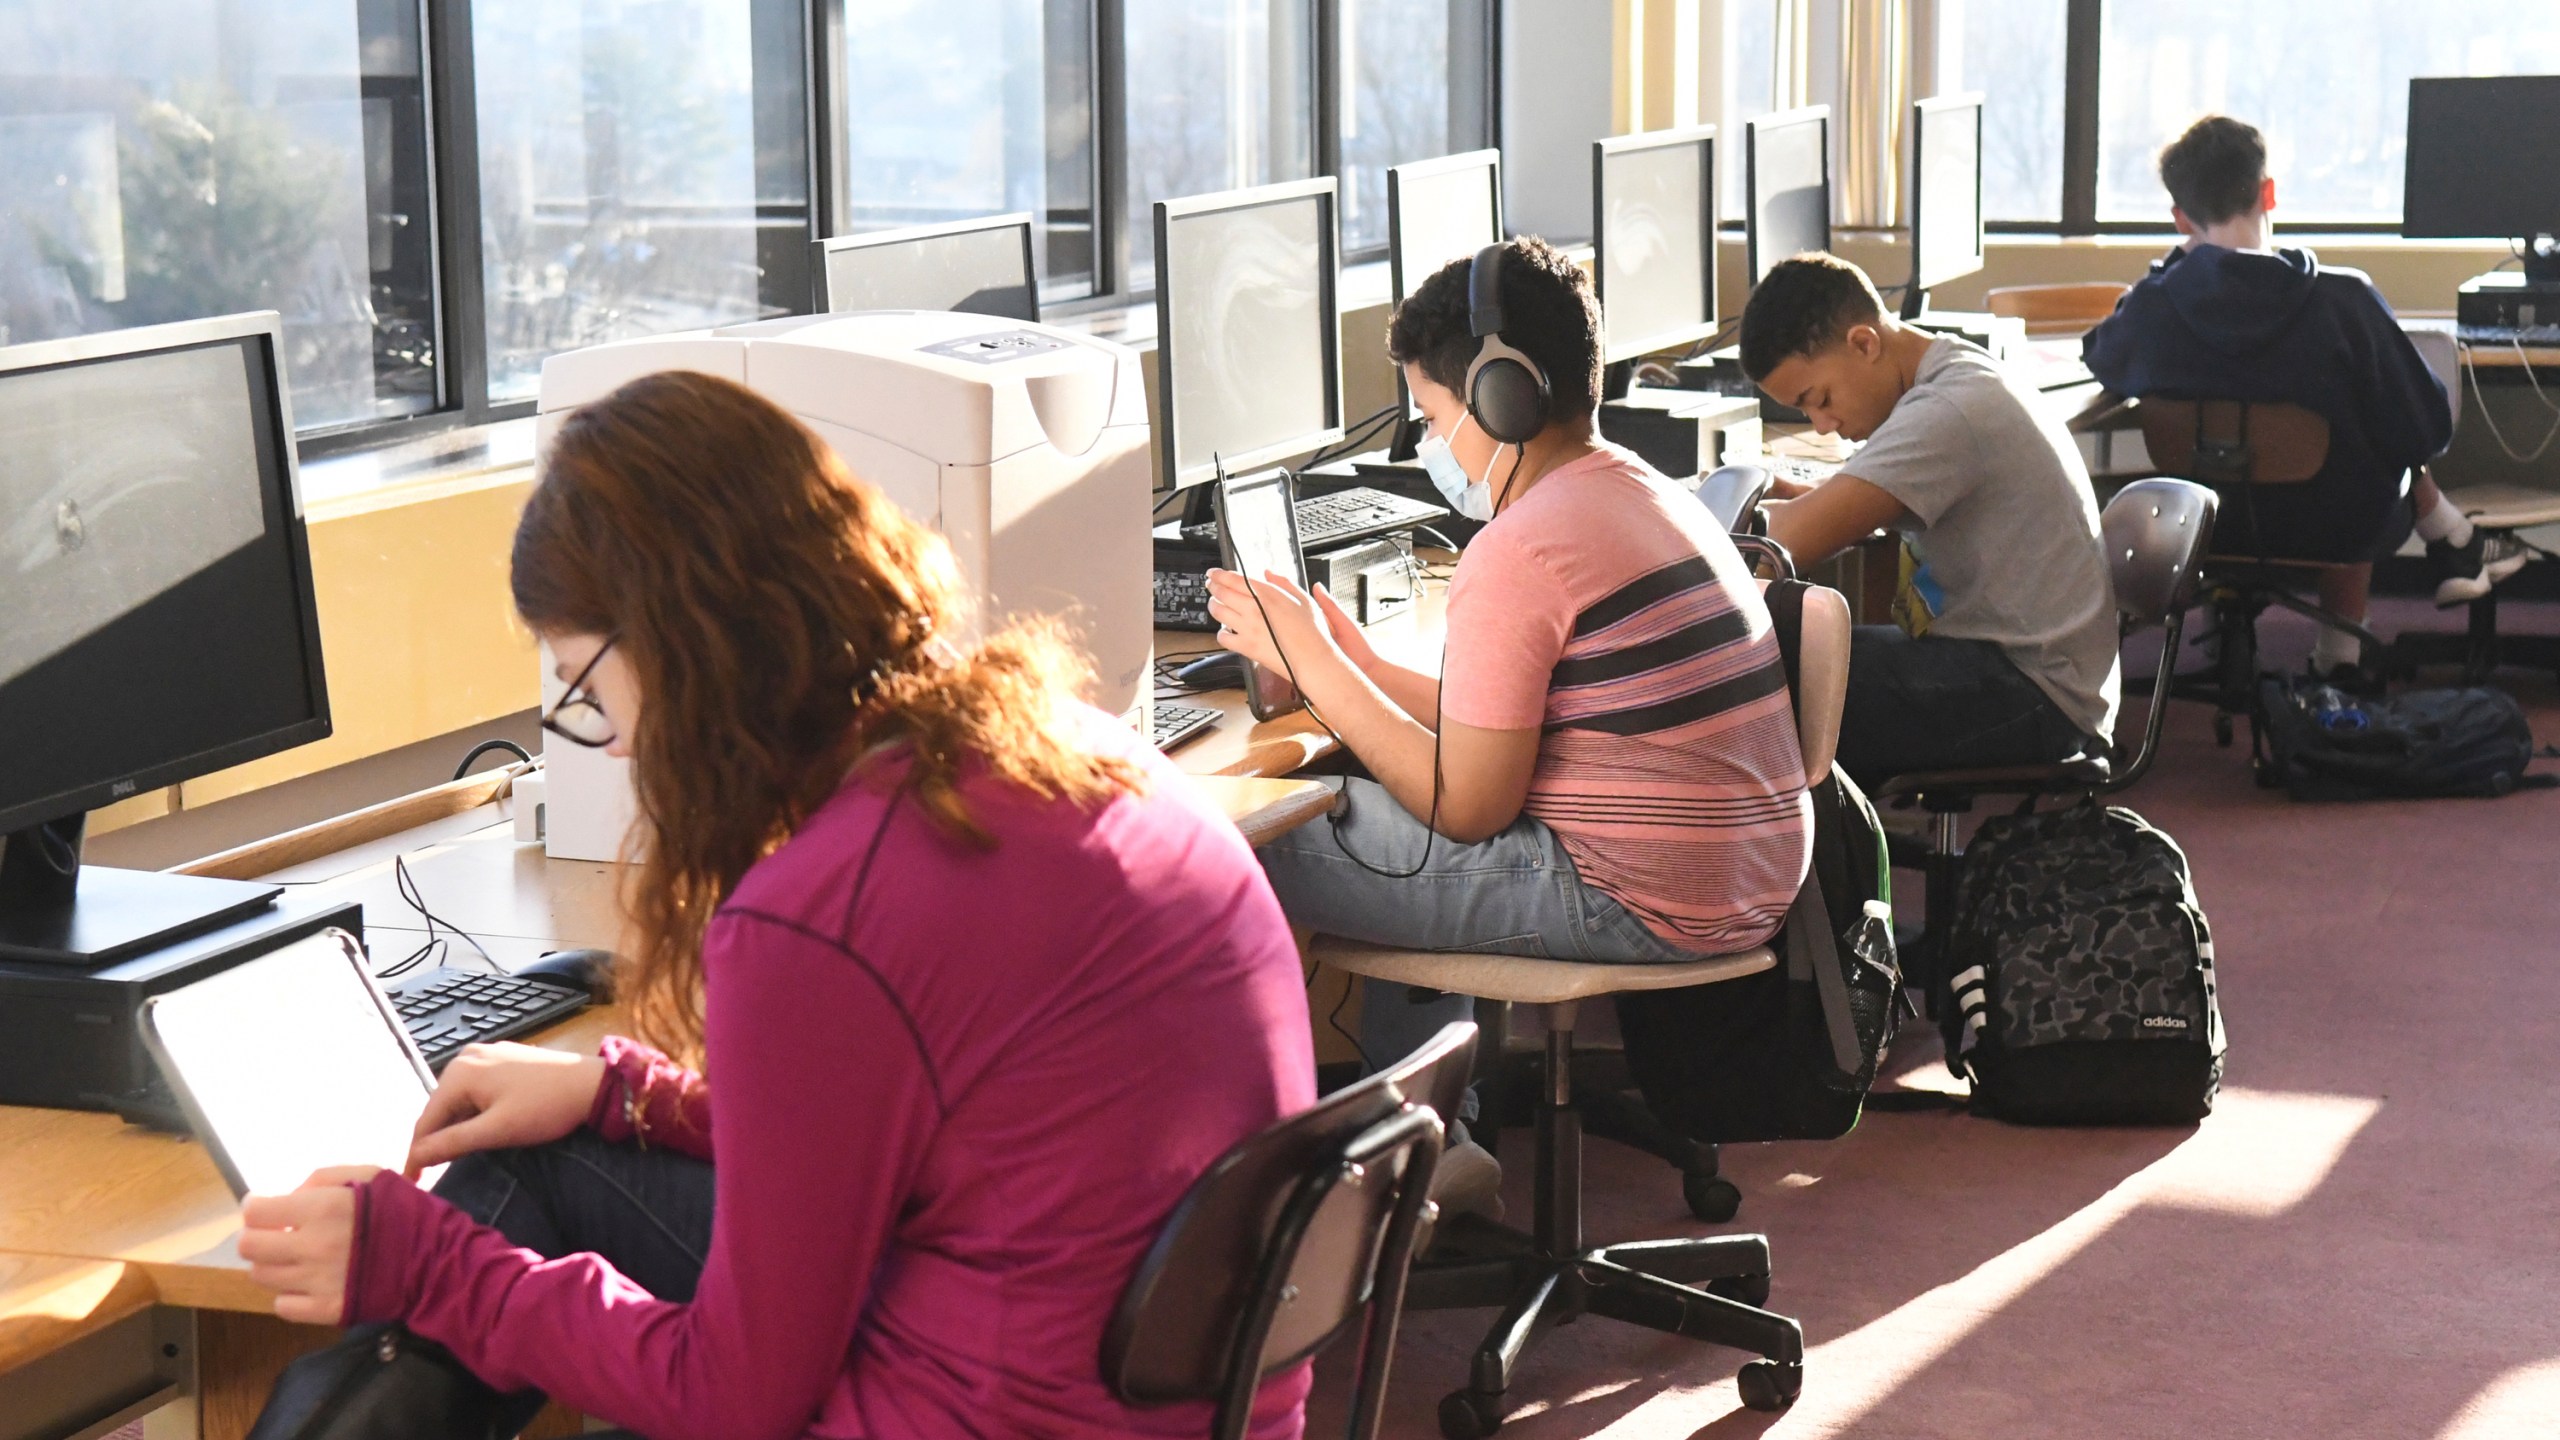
578, 718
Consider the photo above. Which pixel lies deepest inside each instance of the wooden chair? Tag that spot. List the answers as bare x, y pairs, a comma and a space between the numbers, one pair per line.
2237, 447
1287, 1243
2056, 309
1708, 1288
2156, 533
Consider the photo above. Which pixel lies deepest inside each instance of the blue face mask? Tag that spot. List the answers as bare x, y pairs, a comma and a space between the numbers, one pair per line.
1469, 497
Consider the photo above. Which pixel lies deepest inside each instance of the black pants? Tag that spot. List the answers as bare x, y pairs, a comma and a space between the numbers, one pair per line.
1939, 704
647, 1211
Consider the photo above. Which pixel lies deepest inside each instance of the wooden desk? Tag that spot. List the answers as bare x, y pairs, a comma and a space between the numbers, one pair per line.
100, 1220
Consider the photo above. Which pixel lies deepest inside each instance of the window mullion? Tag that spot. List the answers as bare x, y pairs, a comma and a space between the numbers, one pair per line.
2080, 119
453, 137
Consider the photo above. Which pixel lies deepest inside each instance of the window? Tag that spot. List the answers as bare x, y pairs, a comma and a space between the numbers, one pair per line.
201, 157
1396, 105
2013, 51
2327, 80
619, 190
951, 122
1220, 94
1750, 90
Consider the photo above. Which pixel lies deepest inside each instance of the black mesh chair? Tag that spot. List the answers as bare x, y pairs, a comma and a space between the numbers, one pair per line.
2156, 533
1288, 1243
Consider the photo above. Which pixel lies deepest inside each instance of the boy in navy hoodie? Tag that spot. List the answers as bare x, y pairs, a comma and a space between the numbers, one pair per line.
2224, 316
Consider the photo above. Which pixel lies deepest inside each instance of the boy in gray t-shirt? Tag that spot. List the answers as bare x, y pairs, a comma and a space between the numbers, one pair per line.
2008, 651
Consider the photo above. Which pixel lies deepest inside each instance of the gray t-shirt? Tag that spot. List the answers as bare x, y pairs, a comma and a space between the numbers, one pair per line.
2005, 527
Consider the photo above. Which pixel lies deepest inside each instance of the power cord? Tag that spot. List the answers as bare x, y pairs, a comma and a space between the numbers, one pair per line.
484, 747
1361, 433
435, 944
2490, 419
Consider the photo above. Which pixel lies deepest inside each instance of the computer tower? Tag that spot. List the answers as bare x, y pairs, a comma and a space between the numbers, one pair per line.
71, 1039
2505, 300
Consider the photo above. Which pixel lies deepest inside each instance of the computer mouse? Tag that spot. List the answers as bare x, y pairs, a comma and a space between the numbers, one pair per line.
590, 971
1221, 670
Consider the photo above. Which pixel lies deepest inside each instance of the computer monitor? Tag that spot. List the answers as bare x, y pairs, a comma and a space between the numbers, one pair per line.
2480, 163
156, 585
1653, 239
1787, 160
1946, 195
1248, 328
983, 267
1437, 211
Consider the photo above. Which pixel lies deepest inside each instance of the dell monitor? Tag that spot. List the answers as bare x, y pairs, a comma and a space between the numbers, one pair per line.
1248, 332
1653, 239
2480, 164
1946, 195
1787, 163
982, 267
156, 585
1437, 211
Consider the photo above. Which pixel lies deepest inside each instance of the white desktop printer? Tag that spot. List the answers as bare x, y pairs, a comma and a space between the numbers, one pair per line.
1026, 447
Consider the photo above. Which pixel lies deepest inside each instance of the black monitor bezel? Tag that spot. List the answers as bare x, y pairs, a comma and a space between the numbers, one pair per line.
1614, 350
1327, 192
1023, 220
276, 451
2409, 166
1922, 281
1821, 114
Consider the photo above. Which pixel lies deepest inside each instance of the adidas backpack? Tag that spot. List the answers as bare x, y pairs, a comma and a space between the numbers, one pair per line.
2081, 973
1789, 1053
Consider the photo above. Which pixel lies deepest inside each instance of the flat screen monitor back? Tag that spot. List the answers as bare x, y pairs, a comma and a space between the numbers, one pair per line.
1946, 191
1655, 231
1789, 157
1441, 212
2484, 158
984, 270
1248, 336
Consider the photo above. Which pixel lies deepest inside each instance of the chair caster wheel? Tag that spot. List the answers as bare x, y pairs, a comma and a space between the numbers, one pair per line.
2222, 731
1751, 1290
1469, 1415
1711, 1198
1766, 1385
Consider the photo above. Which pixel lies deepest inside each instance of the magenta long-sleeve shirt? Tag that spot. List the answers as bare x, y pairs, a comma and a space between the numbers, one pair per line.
949, 1118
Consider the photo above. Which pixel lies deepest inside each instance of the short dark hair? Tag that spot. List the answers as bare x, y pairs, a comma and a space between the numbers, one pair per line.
1549, 314
2214, 171
1802, 307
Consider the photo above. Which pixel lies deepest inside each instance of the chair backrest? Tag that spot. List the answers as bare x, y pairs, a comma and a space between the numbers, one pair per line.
2156, 533
2233, 442
1822, 677
2056, 309
1287, 1240
2443, 355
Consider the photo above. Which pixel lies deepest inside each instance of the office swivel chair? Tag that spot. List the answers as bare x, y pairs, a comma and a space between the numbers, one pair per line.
2500, 509
1289, 1242
1549, 1275
2156, 533
2239, 447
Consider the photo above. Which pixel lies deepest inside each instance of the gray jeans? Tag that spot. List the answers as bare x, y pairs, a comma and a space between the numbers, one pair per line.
1514, 894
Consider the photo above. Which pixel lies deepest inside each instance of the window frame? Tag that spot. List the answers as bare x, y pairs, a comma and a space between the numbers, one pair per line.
454, 200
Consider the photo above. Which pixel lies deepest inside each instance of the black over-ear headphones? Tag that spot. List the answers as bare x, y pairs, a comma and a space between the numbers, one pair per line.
1506, 391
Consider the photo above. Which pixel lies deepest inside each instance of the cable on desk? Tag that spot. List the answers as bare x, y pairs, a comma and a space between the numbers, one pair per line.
408, 886
1361, 433
2472, 371
483, 748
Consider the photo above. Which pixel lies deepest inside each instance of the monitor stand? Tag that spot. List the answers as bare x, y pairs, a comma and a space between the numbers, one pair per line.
56, 911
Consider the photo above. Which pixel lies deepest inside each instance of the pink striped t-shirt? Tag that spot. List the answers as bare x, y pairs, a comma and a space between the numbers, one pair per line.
1606, 609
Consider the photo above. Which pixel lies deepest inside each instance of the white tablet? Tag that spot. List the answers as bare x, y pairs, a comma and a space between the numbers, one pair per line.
291, 1063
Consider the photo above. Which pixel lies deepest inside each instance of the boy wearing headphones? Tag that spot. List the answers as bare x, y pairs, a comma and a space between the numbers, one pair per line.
1606, 768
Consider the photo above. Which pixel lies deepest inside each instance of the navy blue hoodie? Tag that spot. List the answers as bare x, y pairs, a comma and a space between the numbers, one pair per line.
2211, 323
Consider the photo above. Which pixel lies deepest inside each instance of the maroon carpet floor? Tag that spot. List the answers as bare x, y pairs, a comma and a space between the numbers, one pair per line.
2364, 1239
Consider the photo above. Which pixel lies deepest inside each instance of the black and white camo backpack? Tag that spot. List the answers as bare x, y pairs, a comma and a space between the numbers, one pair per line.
2081, 974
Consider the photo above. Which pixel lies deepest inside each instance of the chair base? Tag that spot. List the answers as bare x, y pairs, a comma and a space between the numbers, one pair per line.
2479, 649
1707, 1288
1603, 1091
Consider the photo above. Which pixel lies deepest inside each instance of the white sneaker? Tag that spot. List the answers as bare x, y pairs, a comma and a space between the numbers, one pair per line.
1468, 1180
2469, 571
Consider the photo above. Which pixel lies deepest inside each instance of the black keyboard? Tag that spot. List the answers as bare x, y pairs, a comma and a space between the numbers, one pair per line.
1178, 723
1353, 514
2507, 334
448, 1008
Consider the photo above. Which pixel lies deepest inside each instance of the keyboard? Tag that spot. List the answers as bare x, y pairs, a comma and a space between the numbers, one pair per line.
1176, 724
448, 1008
1353, 514
2503, 335
1800, 470
1182, 601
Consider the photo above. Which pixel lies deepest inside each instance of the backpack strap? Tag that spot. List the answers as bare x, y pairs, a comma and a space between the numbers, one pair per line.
1786, 614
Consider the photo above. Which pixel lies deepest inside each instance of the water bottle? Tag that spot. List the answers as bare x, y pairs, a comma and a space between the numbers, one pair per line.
2336, 713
